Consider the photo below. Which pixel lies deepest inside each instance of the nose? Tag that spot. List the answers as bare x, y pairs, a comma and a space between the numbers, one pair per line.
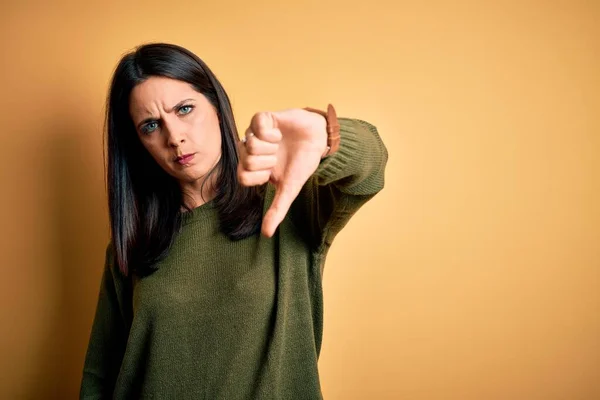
175, 133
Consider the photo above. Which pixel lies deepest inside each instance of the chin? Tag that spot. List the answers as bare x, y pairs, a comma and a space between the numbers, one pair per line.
193, 175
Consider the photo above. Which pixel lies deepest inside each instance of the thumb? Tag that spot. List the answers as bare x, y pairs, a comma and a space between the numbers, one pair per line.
284, 197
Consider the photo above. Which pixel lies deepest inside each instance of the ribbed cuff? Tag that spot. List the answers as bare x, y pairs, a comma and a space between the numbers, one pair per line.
360, 158
333, 166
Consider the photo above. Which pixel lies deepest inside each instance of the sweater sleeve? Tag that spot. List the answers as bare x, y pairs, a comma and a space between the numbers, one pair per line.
109, 333
342, 183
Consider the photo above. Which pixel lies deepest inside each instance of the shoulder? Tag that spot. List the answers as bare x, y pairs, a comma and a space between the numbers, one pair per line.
111, 266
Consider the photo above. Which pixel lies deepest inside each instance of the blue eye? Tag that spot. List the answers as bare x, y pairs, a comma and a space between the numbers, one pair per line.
185, 109
149, 127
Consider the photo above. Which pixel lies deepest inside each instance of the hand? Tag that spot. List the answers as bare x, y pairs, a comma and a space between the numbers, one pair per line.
285, 148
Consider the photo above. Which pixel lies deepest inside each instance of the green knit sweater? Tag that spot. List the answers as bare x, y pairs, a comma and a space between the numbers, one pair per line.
232, 320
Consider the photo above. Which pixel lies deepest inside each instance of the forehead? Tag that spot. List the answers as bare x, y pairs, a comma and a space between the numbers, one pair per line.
159, 92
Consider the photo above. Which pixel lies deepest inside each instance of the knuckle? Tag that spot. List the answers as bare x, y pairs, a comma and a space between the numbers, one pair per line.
277, 135
244, 179
251, 163
251, 145
261, 121
245, 163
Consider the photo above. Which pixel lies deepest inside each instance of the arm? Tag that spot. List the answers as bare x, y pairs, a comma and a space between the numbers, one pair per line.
109, 334
342, 183
285, 148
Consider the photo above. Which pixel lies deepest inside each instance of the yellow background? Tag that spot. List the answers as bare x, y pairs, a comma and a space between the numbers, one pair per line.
475, 274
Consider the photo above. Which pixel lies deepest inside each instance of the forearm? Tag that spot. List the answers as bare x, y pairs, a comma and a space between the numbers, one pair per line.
358, 165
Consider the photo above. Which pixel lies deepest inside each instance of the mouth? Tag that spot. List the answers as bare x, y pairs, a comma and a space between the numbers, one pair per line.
185, 158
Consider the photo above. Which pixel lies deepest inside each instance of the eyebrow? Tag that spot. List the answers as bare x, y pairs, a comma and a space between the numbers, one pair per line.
172, 109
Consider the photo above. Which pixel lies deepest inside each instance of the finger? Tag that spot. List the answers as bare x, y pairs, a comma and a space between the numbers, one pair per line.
264, 126
268, 135
258, 163
253, 178
256, 146
247, 136
241, 148
284, 197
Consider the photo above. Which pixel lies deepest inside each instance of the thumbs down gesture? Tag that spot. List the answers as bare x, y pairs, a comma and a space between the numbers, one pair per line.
284, 148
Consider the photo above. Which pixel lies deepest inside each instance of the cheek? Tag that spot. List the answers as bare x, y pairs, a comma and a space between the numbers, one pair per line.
154, 150
208, 137
216, 141
216, 137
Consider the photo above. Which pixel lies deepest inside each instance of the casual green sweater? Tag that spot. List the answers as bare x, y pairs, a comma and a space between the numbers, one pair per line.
222, 319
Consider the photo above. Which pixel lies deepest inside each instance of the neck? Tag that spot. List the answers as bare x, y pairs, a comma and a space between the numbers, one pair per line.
199, 192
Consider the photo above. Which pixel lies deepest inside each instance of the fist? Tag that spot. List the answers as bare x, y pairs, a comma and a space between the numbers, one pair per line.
283, 148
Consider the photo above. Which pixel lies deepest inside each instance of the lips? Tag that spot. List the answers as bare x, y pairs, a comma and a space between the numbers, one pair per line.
184, 159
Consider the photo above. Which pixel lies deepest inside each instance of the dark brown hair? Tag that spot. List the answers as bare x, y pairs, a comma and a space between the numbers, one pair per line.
144, 201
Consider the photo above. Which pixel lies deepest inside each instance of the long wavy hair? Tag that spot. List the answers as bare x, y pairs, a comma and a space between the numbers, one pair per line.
144, 201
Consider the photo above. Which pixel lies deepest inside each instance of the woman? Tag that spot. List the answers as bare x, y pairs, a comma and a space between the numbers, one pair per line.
212, 284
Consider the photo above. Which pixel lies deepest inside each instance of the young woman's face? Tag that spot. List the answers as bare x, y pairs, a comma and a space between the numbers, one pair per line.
178, 126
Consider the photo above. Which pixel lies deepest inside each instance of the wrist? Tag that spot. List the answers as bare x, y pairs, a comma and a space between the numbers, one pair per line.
332, 129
